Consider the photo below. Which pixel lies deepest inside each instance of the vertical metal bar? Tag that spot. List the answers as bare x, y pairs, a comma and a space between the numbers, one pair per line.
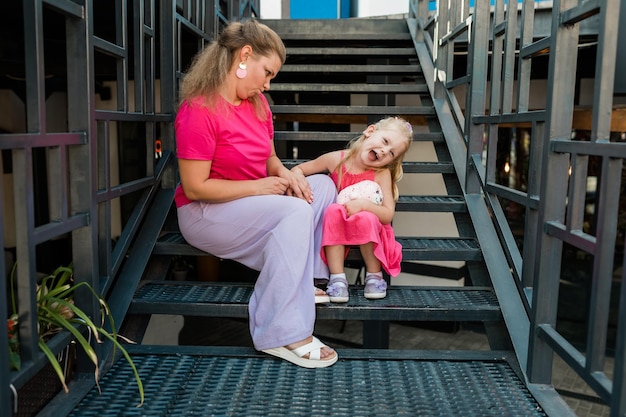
149, 81
103, 179
496, 60
82, 169
478, 61
34, 66
531, 227
5, 378
212, 17
508, 68
493, 137
577, 192
149, 60
536, 150
606, 211
23, 179
524, 64
559, 104
441, 50
56, 163
25, 250
604, 80
121, 39
169, 82
618, 393
139, 55
375, 334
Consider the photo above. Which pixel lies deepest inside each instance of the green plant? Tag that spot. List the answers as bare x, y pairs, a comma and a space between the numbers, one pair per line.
15, 361
56, 312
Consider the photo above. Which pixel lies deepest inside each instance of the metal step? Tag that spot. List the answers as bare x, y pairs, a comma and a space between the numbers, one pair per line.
293, 28
363, 69
403, 303
357, 88
413, 249
299, 109
359, 37
213, 381
352, 51
409, 167
304, 136
431, 203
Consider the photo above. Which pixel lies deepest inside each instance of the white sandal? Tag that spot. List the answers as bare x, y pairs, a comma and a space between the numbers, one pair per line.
296, 356
321, 298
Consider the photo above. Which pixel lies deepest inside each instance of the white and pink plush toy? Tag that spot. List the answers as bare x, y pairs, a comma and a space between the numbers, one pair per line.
365, 189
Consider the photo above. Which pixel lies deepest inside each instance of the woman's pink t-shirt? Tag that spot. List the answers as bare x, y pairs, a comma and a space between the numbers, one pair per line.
232, 137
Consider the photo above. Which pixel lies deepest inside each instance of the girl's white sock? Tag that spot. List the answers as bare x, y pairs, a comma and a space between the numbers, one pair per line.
341, 276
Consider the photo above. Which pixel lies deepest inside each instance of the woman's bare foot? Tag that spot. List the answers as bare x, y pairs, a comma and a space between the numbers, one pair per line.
319, 292
321, 297
326, 353
308, 353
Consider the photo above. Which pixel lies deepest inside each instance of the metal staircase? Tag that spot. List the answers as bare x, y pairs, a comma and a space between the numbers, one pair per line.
339, 77
327, 66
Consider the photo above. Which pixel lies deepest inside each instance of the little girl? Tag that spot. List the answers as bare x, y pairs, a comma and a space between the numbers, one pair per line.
362, 219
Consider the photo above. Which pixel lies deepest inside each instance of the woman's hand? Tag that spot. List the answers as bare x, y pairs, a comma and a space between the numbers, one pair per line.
272, 185
299, 186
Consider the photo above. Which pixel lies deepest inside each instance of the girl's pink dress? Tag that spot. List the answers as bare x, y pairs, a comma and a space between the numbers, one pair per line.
363, 227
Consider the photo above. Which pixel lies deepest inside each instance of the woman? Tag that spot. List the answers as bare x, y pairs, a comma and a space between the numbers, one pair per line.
237, 201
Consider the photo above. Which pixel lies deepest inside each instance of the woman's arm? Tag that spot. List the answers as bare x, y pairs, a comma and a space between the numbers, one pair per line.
194, 178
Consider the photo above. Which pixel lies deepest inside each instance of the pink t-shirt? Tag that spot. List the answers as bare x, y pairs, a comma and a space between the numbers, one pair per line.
232, 137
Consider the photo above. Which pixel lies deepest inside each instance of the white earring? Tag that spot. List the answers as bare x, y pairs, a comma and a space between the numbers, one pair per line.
242, 71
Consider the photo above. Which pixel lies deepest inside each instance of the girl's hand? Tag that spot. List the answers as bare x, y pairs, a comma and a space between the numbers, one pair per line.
357, 205
272, 185
299, 186
383, 212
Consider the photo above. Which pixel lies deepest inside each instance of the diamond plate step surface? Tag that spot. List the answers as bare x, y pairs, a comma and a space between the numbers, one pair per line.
402, 303
242, 382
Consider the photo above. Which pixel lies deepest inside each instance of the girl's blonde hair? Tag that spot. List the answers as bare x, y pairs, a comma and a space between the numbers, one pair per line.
210, 66
395, 166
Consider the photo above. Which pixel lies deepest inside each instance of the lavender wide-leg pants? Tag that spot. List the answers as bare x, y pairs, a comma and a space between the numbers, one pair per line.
279, 236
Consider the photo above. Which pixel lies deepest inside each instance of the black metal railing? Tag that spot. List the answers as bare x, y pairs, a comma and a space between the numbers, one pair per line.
98, 84
553, 198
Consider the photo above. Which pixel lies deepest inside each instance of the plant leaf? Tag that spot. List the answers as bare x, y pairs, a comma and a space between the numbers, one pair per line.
54, 362
130, 362
60, 321
77, 312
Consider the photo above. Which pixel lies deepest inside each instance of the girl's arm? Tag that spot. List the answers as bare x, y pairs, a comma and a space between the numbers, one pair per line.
323, 163
385, 211
194, 178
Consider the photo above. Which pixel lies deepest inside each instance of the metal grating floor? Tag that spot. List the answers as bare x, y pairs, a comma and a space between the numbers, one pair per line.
224, 383
401, 303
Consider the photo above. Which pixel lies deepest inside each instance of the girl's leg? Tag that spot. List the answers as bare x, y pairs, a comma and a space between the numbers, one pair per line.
337, 288
271, 234
372, 264
375, 284
335, 256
